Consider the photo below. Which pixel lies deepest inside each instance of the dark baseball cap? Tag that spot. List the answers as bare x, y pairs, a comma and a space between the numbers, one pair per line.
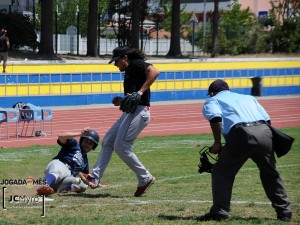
119, 52
217, 86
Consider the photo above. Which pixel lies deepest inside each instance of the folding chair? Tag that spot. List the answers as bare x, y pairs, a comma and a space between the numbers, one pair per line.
47, 115
9, 116
27, 115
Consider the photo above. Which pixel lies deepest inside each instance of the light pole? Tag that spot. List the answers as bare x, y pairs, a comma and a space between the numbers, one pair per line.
78, 22
56, 28
157, 24
204, 25
33, 13
193, 35
34, 21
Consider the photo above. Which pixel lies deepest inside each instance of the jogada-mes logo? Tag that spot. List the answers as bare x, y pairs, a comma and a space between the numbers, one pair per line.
29, 182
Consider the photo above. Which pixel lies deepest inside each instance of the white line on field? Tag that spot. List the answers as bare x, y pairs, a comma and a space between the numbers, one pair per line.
130, 201
203, 174
193, 175
142, 202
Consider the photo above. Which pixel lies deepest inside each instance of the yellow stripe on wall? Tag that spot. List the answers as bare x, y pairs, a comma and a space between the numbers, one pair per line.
114, 87
60, 68
225, 65
181, 66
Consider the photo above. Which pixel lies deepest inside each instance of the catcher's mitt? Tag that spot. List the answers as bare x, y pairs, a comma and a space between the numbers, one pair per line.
86, 179
130, 102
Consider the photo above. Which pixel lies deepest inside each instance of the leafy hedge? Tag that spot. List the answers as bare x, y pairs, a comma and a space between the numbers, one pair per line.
20, 30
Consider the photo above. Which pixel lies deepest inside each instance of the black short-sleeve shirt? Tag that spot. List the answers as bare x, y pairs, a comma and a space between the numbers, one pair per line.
3, 43
135, 77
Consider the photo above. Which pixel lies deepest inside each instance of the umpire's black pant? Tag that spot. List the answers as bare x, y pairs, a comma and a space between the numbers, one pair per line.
242, 143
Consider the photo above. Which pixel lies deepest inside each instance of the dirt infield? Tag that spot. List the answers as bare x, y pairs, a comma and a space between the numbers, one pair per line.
167, 118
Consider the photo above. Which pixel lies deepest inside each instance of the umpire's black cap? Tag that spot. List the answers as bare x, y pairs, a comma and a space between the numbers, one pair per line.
119, 52
217, 86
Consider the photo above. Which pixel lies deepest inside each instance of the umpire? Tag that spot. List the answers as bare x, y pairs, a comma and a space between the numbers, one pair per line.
243, 123
135, 104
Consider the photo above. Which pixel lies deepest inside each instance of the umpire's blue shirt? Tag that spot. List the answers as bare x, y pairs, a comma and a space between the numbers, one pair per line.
72, 155
233, 108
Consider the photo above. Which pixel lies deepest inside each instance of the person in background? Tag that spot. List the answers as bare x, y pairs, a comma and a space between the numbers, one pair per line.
243, 123
4, 46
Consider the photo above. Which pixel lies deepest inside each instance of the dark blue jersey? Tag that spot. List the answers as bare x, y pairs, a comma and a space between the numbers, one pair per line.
72, 155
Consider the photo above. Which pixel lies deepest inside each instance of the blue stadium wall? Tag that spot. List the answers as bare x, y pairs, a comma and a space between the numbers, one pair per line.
72, 83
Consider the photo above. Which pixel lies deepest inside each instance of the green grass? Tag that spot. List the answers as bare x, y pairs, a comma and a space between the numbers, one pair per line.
179, 195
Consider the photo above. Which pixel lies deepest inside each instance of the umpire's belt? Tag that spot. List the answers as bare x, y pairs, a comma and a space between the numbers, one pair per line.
249, 124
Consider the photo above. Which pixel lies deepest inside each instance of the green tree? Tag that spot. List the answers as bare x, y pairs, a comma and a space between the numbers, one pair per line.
143, 15
175, 49
68, 15
20, 30
241, 32
135, 28
238, 25
92, 29
46, 42
285, 34
166, 19
235, 19
121, 25
214, 39
235, 31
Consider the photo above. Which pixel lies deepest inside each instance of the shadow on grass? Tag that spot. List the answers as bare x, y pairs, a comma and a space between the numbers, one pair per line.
256, 220
170, 217
88, 195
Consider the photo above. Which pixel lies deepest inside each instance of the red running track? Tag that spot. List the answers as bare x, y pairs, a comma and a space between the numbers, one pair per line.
167, 118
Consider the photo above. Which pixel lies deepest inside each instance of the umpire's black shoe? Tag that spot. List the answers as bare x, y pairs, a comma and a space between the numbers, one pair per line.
211, 216
286, 217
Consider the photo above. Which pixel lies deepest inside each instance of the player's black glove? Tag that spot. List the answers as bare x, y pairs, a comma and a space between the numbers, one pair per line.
130, 102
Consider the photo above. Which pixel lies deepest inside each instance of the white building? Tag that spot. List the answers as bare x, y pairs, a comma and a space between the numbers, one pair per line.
23, 6
256, 6
202, 5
